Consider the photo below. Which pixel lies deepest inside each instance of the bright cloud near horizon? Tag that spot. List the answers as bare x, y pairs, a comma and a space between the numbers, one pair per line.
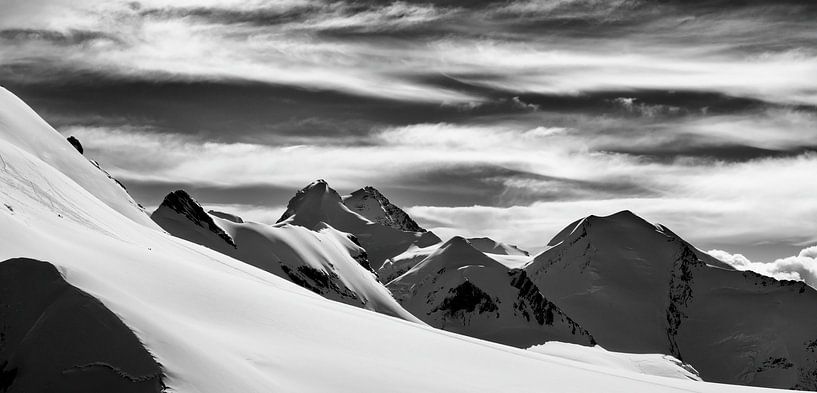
507, 119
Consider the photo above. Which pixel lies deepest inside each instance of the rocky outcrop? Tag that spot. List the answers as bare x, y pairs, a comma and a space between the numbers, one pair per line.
182, 203
466, 298
321, 282
680, 294
531, 303
75, 142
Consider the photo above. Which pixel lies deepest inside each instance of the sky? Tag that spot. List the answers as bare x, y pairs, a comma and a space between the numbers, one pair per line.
507, 119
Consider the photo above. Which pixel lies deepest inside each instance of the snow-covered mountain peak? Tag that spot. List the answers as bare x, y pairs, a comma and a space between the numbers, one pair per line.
461, 289
179, 202
624, 231
491, 246
318, 203
313, 204
624, 220
372, 204
458, 252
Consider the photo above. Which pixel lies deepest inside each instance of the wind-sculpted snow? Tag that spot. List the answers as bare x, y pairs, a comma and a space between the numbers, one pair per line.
55, 337
640, 288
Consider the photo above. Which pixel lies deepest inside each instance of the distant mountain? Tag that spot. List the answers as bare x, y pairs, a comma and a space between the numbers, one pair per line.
323, 260
460, 289
491, 246
505, 254
318, 203
370, 203
640, 288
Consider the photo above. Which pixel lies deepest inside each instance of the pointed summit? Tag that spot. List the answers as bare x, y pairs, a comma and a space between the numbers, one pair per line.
180, 203
318, 203
314, 204
372, 204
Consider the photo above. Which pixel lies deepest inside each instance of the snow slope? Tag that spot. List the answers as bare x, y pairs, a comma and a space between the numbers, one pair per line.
638, 287
220, 325
324, 261
49, 146
318, 203
650, 363
460, 289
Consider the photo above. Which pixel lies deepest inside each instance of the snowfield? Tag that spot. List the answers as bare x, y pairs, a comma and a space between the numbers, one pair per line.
649, 363
219, 325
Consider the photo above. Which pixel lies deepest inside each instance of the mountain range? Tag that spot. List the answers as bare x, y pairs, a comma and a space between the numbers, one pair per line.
350, 294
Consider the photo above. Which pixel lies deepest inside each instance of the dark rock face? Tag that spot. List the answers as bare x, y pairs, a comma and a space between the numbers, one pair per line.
466, 298
545, 312
394, 216
181, 202
317, 281
363, 257
680, 293
57, 338
75, 142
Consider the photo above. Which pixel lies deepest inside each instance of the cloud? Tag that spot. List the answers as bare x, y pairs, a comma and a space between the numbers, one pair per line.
390, 50
505, 118
801, 267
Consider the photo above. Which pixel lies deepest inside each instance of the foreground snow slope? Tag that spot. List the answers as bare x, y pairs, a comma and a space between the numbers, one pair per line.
323, 260
48, 145
219, 325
